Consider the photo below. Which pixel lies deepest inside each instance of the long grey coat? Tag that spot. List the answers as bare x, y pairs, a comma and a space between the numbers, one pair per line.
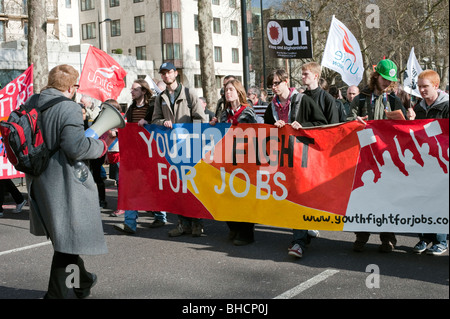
62, 208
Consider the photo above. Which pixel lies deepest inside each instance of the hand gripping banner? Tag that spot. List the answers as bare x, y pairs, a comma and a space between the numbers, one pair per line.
387, 176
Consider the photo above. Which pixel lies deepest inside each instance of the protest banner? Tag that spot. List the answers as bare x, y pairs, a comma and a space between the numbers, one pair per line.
387, 176
14, 94
101, 77
343, 54
289, 39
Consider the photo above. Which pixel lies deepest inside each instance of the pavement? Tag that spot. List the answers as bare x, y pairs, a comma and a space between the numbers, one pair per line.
210, 270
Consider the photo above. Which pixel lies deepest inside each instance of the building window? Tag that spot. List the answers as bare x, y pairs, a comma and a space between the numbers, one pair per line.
232, 3
115, 28
171, 20
172, 51
196, 22
139, 25
235, 55
218, 81
141, 53
197, 81
87, 5
2, 30
136, 1
69, 31
216, 25
216, 2
234, 27
114, 3
68, 4
197, 52
218, 54
88, 31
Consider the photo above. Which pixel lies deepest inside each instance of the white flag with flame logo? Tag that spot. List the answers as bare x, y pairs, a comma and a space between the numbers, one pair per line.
343, 54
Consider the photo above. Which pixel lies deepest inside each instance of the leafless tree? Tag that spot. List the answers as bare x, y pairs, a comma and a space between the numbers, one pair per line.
37, 42
206, 52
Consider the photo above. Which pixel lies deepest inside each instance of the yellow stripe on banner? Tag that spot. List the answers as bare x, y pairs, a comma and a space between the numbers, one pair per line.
228, 207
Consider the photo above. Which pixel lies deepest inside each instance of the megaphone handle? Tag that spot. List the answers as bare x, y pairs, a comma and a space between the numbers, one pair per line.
90, 133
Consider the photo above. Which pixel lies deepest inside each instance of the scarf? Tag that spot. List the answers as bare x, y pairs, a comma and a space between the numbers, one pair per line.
283, 110
232, 117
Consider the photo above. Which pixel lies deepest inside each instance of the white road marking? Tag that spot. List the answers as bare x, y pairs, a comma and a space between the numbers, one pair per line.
24, 248
307, 284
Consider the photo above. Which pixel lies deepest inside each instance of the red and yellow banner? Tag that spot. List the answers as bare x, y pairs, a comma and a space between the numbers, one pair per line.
345, 177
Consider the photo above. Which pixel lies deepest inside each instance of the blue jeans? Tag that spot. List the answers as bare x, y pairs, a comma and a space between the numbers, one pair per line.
300, 237
436, 239
131, 217
162, 216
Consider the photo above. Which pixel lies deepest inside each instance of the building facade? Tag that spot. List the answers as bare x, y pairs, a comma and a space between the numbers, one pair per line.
165, 30
147, 31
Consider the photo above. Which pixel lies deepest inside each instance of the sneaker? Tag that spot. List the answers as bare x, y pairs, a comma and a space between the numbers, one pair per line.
436, 250
20, 206
386, 247
125, 228
197, 230
179, 230
313, 233
296, 251
420, 247
117, 213
157, 223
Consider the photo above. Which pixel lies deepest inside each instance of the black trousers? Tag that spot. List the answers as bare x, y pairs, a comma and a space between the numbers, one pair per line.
62, 277
7, 186
244, 231
96, 166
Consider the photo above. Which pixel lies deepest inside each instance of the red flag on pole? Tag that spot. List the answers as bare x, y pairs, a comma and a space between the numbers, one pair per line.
102, 77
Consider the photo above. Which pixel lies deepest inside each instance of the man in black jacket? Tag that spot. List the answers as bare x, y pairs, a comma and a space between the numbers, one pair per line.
288, 106
310, 77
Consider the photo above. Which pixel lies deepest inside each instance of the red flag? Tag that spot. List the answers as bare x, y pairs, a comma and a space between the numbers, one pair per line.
102, 77
14, 94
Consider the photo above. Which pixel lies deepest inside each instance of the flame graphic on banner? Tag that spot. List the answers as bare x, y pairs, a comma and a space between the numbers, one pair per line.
106, 72
347, 46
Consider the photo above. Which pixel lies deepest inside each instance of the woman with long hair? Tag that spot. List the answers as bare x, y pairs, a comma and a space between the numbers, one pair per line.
237, 111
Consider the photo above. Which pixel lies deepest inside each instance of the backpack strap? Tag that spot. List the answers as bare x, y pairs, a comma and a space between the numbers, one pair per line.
296, 100
53, 102
45, 107
188, 98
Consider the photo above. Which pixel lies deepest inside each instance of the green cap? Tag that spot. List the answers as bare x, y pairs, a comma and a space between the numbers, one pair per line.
387, 69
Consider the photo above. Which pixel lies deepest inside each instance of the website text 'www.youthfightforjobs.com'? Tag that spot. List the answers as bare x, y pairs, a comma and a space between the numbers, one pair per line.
379, 221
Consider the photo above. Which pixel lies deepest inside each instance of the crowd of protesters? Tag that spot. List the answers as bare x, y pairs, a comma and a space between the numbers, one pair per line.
312, 105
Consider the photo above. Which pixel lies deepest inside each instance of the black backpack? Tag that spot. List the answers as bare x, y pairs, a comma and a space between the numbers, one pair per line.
23, 138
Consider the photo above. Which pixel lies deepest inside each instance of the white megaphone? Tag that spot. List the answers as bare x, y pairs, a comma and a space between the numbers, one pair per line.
108, 118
